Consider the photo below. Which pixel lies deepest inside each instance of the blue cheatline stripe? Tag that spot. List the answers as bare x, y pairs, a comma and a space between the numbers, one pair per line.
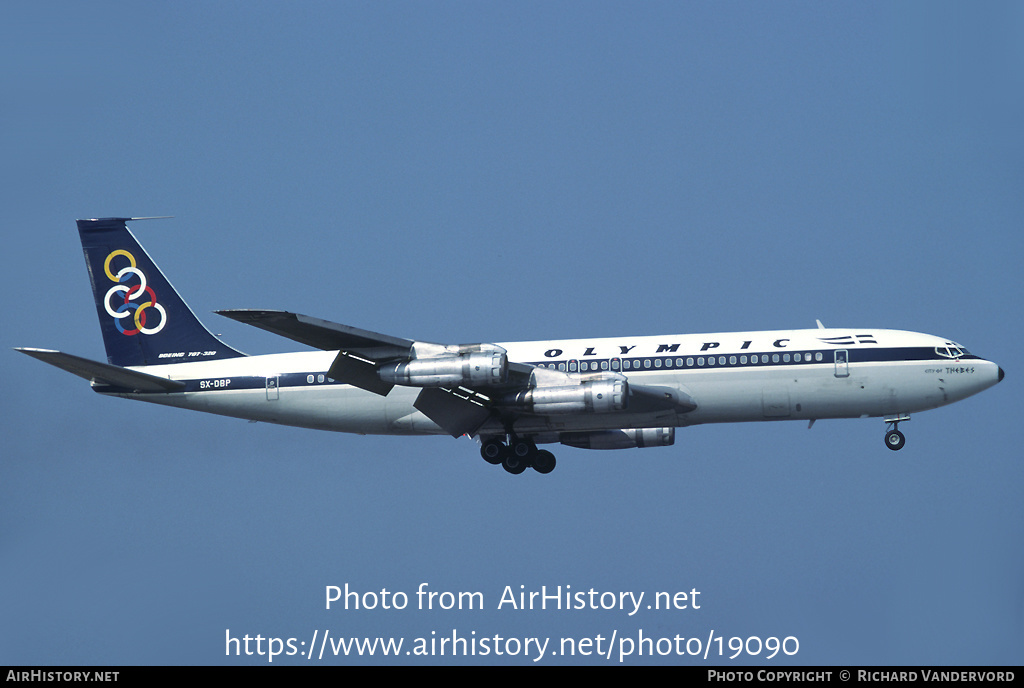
636, 364
761, 359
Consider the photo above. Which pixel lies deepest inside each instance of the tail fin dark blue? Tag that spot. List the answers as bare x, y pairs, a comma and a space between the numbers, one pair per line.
143, 320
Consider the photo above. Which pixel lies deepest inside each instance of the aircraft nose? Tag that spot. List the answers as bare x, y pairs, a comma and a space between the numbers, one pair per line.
1001, 373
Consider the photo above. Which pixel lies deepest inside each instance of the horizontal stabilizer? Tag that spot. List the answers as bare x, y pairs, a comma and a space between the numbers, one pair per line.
105, 374
323, 334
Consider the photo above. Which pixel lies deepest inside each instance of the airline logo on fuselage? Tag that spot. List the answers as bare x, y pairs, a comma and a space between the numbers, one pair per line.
124, 300
706, 347
850, 340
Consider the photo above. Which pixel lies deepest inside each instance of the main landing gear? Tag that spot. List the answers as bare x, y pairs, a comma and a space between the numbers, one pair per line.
518, 455
894, 439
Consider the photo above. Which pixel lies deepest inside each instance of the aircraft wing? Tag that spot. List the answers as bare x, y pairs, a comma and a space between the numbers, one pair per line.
323, 334
331, 336
361, 353
457, 394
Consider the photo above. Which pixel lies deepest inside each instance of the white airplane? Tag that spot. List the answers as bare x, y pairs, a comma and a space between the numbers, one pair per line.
589, 393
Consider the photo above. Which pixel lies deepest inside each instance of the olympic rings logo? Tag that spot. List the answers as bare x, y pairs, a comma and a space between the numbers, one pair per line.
125, 303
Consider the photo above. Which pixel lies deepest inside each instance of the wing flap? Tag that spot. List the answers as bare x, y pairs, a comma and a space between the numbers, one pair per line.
457, 411
357, 372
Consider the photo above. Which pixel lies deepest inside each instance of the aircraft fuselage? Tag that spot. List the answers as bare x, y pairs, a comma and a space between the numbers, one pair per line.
735, 377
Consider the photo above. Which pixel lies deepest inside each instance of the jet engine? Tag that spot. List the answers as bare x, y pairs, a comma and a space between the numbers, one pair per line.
592, 396
620, 439
472, 369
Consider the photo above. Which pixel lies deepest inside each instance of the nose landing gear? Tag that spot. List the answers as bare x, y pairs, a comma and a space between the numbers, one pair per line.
894, 439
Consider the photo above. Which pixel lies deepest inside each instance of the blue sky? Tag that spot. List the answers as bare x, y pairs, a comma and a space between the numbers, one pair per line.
492, 172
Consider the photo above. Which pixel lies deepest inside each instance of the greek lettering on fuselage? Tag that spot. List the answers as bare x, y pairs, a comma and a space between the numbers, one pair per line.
662, 349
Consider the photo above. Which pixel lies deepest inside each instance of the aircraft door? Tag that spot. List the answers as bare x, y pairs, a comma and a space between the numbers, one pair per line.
842, 363
273, 392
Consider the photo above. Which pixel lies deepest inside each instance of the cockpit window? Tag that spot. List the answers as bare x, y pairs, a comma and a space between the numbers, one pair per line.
951, 350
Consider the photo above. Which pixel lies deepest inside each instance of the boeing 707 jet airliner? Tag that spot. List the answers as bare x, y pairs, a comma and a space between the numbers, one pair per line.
589, 393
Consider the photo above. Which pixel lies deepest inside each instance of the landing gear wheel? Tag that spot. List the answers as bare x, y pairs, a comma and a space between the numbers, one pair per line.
493, 451
523, 449
895, 440
513, 464
543, 462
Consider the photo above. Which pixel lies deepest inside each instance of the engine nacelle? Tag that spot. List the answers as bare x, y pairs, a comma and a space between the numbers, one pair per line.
594, 396
479, 368
620, 439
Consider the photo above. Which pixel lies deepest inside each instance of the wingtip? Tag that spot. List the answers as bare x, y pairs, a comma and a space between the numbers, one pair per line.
247, 314
32, 351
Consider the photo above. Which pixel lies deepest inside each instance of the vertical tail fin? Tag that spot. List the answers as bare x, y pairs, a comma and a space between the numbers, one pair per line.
143, 320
